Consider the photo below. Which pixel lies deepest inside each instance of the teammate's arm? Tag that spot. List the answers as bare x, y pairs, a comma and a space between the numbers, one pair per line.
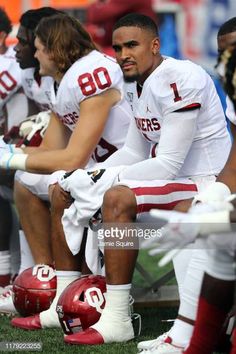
94, 112
177, 133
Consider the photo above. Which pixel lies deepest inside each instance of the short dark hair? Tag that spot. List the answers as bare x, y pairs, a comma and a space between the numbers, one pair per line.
31, 18
227, 27
137, 20
5, 22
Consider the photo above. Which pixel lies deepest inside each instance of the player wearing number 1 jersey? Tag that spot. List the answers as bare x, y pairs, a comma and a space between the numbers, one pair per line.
179, 118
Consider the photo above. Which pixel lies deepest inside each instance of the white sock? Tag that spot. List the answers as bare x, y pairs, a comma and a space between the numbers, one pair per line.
49, 318
115, 323
27, 260
181, 262
5, 262
181, 332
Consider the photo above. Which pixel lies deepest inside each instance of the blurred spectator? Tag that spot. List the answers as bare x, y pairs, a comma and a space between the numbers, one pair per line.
102, 14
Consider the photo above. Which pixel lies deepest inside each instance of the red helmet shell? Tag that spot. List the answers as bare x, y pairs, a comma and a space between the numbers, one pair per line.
81, 303
34, 290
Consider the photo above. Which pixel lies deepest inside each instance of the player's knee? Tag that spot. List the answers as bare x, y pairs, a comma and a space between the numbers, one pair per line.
117, 202
60, 200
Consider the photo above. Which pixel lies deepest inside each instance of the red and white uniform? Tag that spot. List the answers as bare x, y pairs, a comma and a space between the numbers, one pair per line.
180, 121
87, 77
38, 91
10, 83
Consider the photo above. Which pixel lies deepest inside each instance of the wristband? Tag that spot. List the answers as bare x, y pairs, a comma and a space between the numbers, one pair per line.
11, 161
15, 150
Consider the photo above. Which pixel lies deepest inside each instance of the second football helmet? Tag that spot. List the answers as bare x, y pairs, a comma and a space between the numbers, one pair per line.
81, 303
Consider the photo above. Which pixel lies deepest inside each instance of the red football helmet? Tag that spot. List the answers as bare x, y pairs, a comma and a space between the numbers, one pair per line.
81, 303
34, 289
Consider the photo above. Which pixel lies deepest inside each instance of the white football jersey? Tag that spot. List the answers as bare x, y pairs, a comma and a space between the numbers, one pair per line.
180, 85
10, 78
10, 83
90, 76
38, 91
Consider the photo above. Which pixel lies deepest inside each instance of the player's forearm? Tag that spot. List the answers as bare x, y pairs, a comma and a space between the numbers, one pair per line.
51, 161
156, 168
44, 162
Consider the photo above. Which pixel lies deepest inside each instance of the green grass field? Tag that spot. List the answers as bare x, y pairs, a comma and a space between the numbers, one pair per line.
52, 339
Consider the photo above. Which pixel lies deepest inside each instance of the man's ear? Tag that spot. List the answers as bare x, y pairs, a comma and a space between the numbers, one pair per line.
156, 45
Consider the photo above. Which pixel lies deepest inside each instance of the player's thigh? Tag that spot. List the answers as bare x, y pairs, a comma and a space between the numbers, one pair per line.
37, 184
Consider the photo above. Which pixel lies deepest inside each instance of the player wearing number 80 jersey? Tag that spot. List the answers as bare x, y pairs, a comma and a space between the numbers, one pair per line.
89, 76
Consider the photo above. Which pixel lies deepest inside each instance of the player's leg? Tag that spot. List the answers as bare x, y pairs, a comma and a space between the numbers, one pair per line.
122, 205
215, 302
67, 266
115, 323
34, 214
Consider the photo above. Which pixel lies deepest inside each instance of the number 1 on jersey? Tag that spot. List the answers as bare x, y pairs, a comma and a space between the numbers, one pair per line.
176, 92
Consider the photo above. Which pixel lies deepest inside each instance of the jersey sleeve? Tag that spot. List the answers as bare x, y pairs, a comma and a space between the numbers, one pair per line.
180, 88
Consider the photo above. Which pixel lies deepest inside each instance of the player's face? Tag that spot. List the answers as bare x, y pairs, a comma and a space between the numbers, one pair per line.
25, 49
137, 52
46, 64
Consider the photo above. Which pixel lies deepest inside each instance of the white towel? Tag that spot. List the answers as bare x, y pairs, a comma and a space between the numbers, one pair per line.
87, 188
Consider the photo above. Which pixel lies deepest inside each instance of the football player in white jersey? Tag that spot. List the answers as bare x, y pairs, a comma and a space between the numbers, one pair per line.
89, 122
216, 297
36, 89
212, 216
14, 107
178, 116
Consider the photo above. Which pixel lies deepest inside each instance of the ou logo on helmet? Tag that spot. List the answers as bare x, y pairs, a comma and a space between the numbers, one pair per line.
95, 298
43, 273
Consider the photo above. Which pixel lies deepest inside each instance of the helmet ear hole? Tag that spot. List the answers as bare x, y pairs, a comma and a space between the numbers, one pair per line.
81, 298
81, 303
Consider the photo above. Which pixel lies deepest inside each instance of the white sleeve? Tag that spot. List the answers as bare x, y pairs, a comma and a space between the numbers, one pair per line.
135, 149
177, 133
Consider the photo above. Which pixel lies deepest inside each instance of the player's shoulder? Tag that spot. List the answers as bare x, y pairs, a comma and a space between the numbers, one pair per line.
93, 63
177, 69
183, 73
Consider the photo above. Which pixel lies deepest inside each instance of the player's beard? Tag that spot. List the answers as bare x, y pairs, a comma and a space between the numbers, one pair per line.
131, 78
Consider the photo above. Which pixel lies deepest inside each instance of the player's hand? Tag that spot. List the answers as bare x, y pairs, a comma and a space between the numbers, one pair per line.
180, 230
183, 228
